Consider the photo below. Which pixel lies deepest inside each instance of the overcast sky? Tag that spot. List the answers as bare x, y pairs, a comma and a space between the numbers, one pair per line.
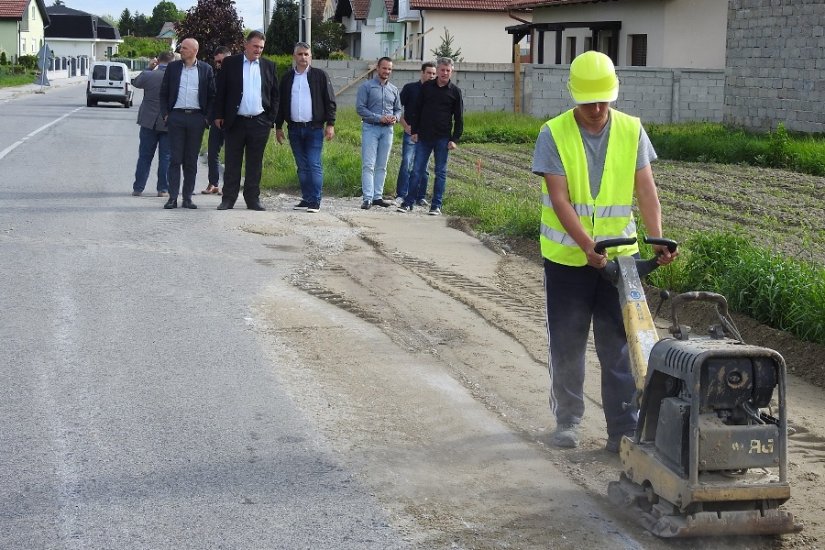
251, 11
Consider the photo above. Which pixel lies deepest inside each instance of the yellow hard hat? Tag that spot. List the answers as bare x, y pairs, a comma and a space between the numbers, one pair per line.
593, 78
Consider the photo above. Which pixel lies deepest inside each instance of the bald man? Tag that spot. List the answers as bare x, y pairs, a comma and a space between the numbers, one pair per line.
186, 97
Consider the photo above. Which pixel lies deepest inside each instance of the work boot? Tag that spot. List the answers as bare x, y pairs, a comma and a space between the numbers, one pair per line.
615, 441
566, 436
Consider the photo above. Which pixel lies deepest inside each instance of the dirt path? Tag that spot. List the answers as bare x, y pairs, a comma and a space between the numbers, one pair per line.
421, 354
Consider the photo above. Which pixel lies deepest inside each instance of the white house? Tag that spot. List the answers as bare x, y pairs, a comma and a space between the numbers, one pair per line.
74, 33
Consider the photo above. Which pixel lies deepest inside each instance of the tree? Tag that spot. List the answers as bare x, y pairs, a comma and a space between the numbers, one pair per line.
446, 48
126, 24
282, 33
212, 23
140, 25
327, 37
162, 13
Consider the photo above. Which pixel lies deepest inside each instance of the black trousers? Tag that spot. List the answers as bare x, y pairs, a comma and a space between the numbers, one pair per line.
185, 136
247, 137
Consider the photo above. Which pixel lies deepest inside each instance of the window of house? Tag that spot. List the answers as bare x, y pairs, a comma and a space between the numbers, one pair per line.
638, 50
34, 13
571, 49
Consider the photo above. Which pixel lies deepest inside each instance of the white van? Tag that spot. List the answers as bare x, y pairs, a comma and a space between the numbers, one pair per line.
109, 81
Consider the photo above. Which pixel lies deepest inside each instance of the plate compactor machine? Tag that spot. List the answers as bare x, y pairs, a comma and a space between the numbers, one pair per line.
709, 455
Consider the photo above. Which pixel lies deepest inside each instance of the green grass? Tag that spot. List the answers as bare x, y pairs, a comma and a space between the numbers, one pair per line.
8, 80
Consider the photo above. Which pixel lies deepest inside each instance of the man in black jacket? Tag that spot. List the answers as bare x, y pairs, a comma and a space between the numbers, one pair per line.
186, 96
306, 119
245, 108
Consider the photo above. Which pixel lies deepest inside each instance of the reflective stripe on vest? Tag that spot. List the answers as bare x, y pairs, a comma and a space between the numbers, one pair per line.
610, 214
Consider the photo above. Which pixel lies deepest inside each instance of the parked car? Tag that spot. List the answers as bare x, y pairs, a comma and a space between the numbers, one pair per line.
109, 81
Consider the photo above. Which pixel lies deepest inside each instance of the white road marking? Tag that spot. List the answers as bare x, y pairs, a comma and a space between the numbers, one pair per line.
17, 144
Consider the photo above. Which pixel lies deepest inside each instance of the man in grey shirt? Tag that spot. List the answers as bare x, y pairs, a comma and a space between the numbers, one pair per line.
594, 160
379, 106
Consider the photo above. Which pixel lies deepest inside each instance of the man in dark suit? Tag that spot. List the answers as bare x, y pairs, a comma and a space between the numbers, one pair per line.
186, 98
245, 107
153, 134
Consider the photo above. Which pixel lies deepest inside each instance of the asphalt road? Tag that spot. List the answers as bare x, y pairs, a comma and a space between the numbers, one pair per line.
137, 409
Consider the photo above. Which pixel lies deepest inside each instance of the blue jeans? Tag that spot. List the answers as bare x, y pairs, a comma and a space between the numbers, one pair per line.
306, 144
402, 184
418, 183
376, 142
149, 140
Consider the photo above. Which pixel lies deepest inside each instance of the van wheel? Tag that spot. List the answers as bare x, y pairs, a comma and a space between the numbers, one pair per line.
90, 102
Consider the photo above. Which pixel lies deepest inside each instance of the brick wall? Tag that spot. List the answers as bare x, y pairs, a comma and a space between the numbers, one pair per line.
776, 64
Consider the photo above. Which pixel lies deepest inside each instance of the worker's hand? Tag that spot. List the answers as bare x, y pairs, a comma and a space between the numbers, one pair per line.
663, 255
329, 132
279, 135
451, 145
594, 259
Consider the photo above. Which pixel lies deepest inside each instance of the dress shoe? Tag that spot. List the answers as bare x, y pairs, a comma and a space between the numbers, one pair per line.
211, 190
163, 194
256, 206
137, 193
226, 205
382, 203
171, 203
187, 203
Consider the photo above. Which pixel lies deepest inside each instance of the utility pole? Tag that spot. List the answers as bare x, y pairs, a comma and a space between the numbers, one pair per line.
305, 21
267, 16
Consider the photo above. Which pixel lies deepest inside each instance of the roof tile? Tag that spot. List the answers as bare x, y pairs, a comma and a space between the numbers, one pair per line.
12, 8
514, 4
475, 5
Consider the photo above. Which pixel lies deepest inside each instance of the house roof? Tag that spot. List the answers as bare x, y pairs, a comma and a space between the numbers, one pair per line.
517, 4
474, 5
167, 31
390, 15
70, 23
357, 9
14, 9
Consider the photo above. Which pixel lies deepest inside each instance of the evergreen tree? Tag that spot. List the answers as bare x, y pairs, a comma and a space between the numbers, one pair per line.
446, 48
282, 33
140, 24
212, 23
126, 25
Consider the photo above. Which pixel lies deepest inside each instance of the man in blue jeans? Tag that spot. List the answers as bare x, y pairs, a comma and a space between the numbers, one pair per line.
379, 106
307, 103
216, 137
409, 95
437, 121
153, 134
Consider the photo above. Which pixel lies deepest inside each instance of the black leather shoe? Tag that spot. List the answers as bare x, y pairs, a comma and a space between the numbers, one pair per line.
225, 205
171, 203
256, 206
187, 203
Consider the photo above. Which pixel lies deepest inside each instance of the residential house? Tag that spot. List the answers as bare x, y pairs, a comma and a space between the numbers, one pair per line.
21, 27
74, 33
167, 33
477, 28
655, 33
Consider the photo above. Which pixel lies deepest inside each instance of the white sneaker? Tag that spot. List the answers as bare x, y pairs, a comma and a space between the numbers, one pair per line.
434, 211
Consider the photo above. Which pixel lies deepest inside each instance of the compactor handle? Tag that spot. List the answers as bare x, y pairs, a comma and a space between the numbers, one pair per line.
644, 267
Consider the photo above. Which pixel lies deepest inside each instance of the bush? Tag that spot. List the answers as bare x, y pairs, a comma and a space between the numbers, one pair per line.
3, 59
27, 61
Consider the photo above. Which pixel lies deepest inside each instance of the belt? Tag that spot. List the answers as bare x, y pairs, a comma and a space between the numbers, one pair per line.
250, 116
309, 124
187, 111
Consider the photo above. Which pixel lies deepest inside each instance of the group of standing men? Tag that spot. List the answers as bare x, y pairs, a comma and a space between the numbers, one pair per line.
182, 98
433, 121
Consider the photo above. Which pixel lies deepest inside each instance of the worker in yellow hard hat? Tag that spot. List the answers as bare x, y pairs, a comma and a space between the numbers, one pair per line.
594, 160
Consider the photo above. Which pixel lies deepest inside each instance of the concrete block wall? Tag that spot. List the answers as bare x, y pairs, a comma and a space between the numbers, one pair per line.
776, 65
656, 95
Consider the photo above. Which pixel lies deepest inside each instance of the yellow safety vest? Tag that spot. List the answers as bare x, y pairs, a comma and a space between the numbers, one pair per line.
607, 216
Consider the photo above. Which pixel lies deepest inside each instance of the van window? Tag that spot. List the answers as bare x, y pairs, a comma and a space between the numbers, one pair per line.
116, 72
99, 72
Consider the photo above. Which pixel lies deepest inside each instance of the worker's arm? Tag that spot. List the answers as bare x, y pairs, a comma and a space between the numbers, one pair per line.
651, 211
557, 187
